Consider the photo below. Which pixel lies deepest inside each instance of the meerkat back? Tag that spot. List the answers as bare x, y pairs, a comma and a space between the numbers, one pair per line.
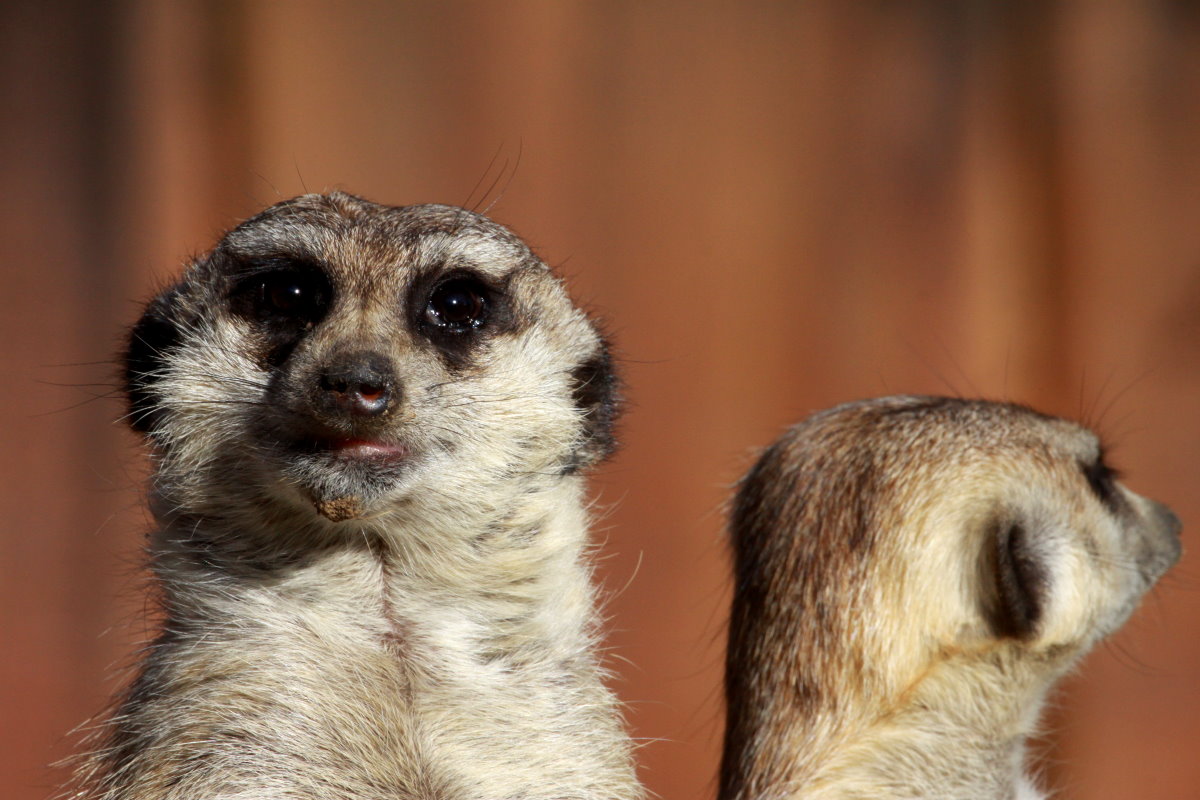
368, 427
912, 574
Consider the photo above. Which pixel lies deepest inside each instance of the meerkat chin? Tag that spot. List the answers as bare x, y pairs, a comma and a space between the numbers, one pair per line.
912, 575
369, 426
339, 509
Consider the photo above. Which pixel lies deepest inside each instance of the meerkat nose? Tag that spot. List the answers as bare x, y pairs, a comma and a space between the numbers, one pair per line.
358, 384
1167, 518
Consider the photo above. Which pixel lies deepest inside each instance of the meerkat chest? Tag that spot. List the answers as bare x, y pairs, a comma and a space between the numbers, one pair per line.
348, 619
330, 673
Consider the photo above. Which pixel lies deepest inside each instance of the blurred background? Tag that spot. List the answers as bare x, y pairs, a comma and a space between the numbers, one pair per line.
775, 206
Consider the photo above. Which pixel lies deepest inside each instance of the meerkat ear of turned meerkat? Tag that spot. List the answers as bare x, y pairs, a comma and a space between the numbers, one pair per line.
1019, 575
146, 349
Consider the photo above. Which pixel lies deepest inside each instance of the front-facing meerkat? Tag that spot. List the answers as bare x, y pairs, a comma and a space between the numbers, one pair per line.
912, 574
368, 427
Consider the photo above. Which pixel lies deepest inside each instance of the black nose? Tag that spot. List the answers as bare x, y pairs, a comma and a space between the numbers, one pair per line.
358, 384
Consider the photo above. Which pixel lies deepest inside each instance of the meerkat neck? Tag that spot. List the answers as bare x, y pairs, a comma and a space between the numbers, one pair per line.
485, 685
960, 732
507, 581
933, 742
464, 546
782, 726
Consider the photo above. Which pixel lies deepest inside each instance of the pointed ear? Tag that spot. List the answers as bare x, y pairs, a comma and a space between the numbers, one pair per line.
596, 390
149, 342
1019, 577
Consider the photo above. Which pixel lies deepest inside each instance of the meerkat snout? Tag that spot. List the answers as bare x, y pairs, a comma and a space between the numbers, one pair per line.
912, 575
358, 384
1167, 552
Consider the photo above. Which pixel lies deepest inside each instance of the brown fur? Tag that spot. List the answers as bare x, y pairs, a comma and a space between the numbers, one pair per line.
911, 575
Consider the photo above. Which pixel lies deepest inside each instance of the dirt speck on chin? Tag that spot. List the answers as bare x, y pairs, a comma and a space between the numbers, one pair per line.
340, 509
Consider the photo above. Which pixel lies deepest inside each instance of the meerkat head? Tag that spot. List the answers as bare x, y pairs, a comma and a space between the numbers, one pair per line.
881, 539
348, 358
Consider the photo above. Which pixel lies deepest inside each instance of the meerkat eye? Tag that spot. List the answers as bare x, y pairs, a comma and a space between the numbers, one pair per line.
285, 295
293, 295
458, 305
1102, 479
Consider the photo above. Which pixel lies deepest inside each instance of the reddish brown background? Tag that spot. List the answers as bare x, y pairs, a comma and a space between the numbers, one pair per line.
776, 206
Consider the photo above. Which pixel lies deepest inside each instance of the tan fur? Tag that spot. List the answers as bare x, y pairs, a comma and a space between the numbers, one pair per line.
364, 604
912, 575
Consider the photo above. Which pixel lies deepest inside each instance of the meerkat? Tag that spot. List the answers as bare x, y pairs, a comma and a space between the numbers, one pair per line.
912, 574
369, 427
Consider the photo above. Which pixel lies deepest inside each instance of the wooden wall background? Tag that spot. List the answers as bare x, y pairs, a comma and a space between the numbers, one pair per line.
777, 206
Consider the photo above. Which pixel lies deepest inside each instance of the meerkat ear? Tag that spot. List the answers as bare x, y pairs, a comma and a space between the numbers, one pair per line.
1020, 579
149, 340
596, 391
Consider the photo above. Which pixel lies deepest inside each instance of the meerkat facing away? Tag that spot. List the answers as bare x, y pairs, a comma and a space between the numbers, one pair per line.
368, 426
912, 575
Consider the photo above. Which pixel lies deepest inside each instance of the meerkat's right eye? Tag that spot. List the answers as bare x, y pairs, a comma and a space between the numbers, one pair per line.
284, 295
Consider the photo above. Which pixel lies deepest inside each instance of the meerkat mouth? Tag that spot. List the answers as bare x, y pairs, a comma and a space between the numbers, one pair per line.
369, 461
344, 476
355, 449
342, 450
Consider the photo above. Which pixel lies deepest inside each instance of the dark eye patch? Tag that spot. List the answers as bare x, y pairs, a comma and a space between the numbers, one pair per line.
282, 293
1102, 479
457, 310
283, 298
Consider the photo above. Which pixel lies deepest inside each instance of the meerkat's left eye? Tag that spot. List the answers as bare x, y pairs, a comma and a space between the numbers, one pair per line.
458, 305
1102, 479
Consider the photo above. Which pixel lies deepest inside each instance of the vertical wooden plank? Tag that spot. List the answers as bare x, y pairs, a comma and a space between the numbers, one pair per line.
108, 158
1012, 265
56, 68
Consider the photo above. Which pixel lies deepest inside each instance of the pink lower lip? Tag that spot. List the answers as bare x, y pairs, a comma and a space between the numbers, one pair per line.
365, 448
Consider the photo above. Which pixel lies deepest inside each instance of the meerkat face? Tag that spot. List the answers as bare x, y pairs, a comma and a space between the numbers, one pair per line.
889, 535
337, 355
1013, 528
